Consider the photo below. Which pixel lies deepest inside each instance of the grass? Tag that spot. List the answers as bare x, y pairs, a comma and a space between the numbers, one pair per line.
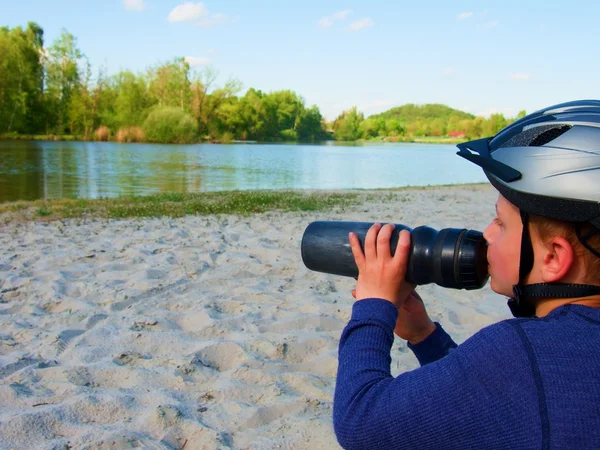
176, 205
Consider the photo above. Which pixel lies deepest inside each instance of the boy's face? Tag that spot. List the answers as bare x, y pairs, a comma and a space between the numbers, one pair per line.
503, 236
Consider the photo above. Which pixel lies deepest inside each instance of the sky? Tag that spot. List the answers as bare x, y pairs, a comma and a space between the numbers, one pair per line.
476, 56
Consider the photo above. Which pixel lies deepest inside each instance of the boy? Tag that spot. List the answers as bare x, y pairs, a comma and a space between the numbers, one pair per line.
528, 382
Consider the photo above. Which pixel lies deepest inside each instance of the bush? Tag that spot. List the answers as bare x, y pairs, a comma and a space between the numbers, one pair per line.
170, 125
102, 134
130, 134
227, 138
289, 135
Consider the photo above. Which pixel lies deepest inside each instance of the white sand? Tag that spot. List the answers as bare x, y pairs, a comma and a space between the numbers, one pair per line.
203, 332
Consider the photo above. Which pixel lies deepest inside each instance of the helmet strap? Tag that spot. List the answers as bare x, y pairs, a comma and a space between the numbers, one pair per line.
526, 258
583, 238
520, 305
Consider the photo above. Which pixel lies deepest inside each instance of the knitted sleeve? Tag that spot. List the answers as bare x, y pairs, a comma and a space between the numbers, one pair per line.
463, 400
437, 345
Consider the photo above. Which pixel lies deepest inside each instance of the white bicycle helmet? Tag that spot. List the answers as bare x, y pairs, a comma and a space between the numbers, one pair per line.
547, 164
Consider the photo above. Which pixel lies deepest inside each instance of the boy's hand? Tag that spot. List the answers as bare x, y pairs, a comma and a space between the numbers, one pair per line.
413, 323
381, 275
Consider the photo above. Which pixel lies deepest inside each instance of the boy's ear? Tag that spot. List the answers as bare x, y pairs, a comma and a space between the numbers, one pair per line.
558, 259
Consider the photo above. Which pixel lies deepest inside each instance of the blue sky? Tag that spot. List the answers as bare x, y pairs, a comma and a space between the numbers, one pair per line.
476, 56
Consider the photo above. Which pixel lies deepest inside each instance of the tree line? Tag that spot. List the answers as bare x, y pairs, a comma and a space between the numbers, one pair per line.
412, 122
51, 91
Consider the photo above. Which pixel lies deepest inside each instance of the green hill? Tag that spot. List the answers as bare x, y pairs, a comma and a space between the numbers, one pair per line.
412, 113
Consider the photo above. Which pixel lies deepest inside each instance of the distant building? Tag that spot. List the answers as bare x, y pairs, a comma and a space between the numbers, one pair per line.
457, 134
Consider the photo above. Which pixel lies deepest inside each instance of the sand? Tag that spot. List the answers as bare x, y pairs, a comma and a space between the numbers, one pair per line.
197, 332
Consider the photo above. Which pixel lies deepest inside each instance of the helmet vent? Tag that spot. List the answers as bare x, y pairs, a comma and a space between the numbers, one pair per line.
535, 136
549, 135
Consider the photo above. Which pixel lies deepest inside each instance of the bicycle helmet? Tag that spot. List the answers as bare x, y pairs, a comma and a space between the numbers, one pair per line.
547, 164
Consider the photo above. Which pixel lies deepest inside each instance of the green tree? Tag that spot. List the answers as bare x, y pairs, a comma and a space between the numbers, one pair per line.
494, 124
169, 84
393, 127
371, 127
310, 126
21, 79
347, 127
208, 117
289, 108
81, 119
132, 100
63, 78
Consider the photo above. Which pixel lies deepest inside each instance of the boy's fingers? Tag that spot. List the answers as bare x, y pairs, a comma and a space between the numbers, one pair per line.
370, 241
383, 240
354, 293
359, 257
402, 249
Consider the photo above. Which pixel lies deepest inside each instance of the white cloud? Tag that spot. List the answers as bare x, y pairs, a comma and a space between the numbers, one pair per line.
464, 15
448, 70
134, 5
521, 76
327, 22
361, 24
490, 24
210, 51
341, 15
196, 61
196, 13
186, 12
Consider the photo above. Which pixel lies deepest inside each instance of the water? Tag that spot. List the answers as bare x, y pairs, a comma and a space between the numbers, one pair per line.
37, 169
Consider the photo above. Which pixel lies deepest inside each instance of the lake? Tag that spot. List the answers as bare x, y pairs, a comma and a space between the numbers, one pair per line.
32, 170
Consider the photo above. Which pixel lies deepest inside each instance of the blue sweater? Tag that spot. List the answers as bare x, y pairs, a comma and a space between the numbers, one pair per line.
518, 384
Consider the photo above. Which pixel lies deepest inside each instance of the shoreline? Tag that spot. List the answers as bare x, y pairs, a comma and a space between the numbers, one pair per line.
203, 203
388, 140
197, 331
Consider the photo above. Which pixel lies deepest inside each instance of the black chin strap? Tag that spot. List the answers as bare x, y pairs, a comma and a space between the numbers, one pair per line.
519, 304
523, 302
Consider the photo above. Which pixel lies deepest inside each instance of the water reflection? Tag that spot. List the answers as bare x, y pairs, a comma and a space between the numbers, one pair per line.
31, 169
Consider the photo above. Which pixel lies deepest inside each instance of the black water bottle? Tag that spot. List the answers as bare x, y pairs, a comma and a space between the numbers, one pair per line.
451, 257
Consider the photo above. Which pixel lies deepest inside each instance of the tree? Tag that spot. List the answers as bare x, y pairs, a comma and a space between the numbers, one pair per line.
63, 77
169, 84
206, 112
132, 100
494, 124
310, 126
289, 107
393, 127
346, 126
370, 127
21, 79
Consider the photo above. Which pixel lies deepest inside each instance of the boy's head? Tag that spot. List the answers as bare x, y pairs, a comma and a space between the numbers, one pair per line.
546, 167
559, 256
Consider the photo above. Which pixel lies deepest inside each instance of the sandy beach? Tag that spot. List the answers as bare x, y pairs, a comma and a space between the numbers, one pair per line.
203, 332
